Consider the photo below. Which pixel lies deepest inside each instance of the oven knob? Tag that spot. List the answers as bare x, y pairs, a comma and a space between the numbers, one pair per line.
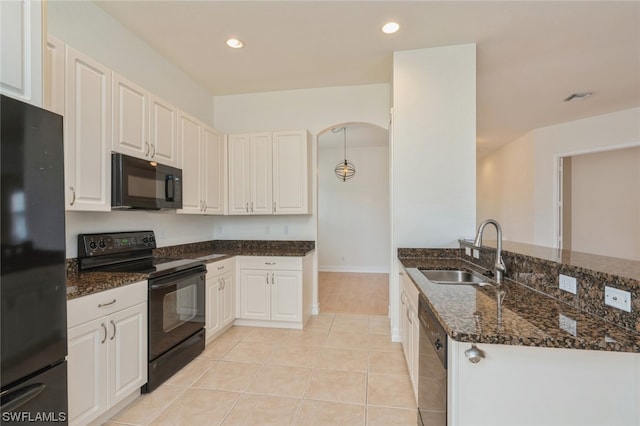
101, 244
93, 245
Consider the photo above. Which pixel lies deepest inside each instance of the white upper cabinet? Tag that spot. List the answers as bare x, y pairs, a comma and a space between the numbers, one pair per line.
269, 173
291, 166
239, 146
130, 118
87, 133
203, 167
214, 183
261, 174
163, 135
21, 50
190, 139
54, 65
144, 125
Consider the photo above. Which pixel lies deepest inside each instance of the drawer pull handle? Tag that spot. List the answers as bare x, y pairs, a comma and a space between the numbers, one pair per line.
220, 268
269, 263
102, 305
105, 333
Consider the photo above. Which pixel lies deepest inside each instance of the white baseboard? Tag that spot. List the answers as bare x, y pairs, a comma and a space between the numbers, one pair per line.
316, 309
395, 335
357, 269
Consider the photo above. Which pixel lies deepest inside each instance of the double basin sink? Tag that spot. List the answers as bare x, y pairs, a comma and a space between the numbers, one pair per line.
461, 277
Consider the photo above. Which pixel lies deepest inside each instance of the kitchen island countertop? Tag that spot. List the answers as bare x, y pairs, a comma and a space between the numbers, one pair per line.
526, 317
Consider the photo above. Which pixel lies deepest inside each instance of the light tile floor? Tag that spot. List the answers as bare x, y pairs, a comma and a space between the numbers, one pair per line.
340, 370
353, 293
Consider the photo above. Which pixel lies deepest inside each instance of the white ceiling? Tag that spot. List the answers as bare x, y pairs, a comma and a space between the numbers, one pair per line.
531, 54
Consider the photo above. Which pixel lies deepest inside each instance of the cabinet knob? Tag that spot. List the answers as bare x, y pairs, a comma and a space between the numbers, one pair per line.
474, 354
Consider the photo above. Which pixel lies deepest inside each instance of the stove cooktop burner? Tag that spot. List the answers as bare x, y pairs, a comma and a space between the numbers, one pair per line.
154, 266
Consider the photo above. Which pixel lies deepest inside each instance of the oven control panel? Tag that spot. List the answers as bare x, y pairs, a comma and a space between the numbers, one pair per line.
90, 245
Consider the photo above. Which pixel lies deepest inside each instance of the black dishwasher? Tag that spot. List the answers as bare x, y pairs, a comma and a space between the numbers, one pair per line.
432, 369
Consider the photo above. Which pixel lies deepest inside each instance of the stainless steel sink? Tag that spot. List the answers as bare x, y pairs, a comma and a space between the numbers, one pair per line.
438, 276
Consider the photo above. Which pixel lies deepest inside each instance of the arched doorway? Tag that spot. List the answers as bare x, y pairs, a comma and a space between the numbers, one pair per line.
353, 220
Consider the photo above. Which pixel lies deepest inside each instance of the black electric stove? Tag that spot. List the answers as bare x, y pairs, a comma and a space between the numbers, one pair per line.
176, 296
128, 252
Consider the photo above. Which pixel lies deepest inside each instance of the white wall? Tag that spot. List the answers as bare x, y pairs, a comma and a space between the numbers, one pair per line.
536, 222
508, 200
84, 26
353, 216
87, 28
605, 213
433, 164
312, 109
434, 132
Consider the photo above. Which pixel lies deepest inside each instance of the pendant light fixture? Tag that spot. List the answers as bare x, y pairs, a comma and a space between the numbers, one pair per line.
344, 169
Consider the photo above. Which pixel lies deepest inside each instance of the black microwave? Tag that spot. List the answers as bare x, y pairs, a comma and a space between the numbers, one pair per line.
142, 184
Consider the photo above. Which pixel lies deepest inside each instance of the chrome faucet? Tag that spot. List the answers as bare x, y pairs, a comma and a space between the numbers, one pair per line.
500, 268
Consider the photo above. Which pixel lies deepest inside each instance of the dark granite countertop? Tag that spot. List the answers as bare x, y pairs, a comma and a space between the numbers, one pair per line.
86, 283
527, 317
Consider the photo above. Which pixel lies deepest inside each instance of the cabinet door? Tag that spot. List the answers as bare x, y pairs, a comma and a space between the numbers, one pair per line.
127, 352
226, 303
86, 371
54, 76
190, 139
130, 115
215, 172
163, 137
21, 50
415, 349
239, 147
87, 129
286, 296
213, 291
261, 174
290, 172
255, 294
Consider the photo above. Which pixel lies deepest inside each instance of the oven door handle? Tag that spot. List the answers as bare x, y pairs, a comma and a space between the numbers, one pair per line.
160, 286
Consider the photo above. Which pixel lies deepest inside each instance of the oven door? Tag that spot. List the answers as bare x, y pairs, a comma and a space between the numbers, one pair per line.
176, 309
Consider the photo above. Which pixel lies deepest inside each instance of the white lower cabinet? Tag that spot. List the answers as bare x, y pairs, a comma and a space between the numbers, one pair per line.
409, 326
220, 296
107, 344
523, 385
272, 291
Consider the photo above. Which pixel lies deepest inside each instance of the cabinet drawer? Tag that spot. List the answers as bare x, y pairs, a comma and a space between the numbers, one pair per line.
96, 305
221, 267
270, 262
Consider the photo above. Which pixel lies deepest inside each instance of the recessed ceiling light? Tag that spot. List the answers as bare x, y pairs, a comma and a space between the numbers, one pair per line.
390, 27
235, 43
577, 96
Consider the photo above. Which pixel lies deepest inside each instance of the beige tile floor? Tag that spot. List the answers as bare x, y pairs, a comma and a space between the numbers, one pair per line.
353, 293
340, 370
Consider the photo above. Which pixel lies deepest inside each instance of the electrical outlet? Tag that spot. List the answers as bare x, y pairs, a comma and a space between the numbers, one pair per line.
568, 283
467, 251
617, 298
476, 254
568, 324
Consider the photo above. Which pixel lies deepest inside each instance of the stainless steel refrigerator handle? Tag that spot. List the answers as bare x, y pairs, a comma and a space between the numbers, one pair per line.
105, 333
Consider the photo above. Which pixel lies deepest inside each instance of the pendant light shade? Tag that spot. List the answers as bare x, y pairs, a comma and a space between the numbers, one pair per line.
344, 169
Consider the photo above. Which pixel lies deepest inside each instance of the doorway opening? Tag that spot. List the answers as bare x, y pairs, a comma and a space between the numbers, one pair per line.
353, 220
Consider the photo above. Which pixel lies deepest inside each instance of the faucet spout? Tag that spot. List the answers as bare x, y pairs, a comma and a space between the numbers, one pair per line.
499, 266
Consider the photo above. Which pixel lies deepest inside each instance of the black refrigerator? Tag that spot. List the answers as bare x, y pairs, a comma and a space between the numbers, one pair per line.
33, 311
